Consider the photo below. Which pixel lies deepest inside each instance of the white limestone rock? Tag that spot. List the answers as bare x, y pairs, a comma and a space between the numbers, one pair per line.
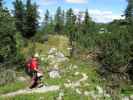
54, 74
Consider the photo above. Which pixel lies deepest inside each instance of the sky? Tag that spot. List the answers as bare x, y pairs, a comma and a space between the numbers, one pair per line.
100, 10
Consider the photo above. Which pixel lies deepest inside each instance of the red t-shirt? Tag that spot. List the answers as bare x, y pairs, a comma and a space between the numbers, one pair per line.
33, 64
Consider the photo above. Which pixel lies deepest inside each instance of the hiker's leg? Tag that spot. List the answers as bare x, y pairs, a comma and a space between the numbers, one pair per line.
34, 81
40, 82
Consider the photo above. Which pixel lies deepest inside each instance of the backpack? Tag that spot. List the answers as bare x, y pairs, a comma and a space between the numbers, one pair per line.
28, 66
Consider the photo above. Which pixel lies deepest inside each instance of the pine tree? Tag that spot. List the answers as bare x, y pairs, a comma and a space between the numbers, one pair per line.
70, 23
51, 26
30, 19
46, 19
71, 28
7, 41
59, 21
1, 3
86, 23
79, 25
129, 11
19, 13
46, 22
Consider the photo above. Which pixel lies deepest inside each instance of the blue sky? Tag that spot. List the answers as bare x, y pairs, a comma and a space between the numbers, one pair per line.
100, 10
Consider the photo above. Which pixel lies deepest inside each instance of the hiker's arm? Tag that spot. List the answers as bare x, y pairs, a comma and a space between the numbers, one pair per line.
37, 70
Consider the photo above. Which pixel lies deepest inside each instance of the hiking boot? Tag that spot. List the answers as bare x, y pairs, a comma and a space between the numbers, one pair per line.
40, 85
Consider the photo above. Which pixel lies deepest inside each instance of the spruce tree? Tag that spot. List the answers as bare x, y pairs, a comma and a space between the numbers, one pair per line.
7, 40
46, 21
19, 14
71, 28
129, 11
70, 24
1, 3
59, 20
30, 20
86, 23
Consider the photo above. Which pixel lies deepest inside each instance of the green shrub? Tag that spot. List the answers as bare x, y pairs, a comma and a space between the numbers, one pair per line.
7, 76
114, 51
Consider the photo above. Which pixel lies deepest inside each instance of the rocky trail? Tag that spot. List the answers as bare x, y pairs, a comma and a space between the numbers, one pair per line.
43, 89
54, 58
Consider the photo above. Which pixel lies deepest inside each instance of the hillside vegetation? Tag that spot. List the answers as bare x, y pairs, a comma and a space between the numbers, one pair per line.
78, 79
81, 59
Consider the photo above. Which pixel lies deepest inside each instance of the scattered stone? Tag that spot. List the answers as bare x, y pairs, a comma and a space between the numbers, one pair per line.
36, 54
69, 48
54, 74
131, 97
85, 77
52, 51
76, 84
60, 55
68, 81
78, 91
60, 97
86, 93
42, 59
67, 85
53, 62
100, 90
86, 84
75, 66
61, 94
76, 73
56, 56
125, 98
56, 67
107, 95
50, 57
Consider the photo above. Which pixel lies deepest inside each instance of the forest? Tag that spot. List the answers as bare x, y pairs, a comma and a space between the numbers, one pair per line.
110, 45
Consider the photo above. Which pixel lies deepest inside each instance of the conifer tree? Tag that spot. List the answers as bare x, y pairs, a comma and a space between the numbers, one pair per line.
1, 3
30, 19
46, 18
71, 28
19, 14
129, 11
86, 22
59, 21
7, 40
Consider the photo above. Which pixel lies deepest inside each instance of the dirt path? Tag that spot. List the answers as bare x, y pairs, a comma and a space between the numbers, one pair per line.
36, 90
77, 83
45, 89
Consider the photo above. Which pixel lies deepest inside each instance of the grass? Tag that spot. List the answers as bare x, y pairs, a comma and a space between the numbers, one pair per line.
12, 87
34, 96
69, 94
59, 42
87, 67
127, 91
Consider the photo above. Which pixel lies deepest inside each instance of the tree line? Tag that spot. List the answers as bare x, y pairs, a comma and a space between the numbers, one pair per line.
112, 42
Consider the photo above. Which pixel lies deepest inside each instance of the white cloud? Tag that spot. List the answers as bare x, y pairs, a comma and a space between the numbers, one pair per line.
104, 16
76, 1
99, 16
46, 2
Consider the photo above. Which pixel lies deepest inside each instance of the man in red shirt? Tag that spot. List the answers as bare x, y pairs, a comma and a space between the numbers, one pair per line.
32, 65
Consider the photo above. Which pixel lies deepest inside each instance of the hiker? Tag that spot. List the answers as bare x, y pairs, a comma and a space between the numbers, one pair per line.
35, 73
